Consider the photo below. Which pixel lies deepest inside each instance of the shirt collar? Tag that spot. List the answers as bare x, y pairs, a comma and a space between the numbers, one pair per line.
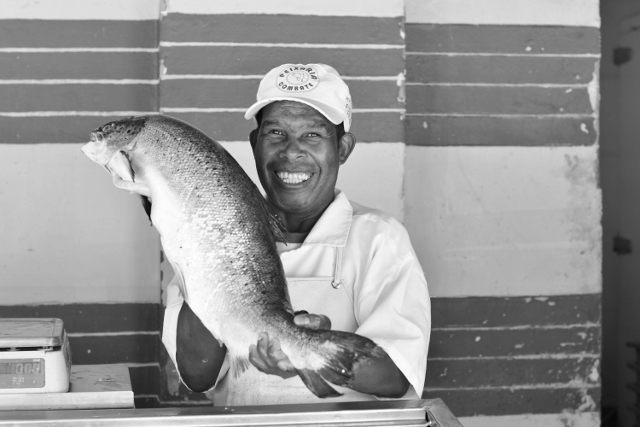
332, 229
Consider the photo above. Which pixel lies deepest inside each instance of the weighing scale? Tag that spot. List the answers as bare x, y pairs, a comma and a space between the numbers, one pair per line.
35, 356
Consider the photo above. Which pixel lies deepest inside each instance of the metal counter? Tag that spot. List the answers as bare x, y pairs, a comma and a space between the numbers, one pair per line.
414, 413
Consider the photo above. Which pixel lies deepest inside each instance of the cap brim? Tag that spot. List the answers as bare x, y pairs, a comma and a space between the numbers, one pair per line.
329, 112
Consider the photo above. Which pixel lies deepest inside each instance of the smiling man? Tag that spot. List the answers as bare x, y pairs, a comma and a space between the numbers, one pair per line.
348, 267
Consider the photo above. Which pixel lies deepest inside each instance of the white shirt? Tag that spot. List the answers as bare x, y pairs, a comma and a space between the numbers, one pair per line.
383, 296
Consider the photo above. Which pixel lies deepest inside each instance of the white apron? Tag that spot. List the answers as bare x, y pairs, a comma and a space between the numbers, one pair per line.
317, 295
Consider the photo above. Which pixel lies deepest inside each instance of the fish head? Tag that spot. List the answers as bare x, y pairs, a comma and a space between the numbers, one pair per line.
113, 137
110, 146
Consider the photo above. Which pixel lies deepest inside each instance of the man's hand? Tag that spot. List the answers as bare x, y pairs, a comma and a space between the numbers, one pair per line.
268, 357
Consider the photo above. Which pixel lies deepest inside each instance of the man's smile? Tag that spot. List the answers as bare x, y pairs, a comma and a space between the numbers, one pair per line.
293, 177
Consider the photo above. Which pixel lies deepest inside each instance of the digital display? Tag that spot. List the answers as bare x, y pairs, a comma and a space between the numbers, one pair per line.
22, 373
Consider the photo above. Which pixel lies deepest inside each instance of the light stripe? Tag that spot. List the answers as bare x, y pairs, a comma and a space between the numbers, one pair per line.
518, 327
516, 55
132, 10
538, 85
260, 76
505, 12
374, 8
75, 113
573, 384
111, 334
146, 396
79, 82
75, 49
369, 143
237, 110
286, 45
139, 365
558, 356
509, 116
567, 418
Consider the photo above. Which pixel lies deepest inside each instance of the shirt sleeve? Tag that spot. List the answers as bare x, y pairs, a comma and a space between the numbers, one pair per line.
393, 307
170, 327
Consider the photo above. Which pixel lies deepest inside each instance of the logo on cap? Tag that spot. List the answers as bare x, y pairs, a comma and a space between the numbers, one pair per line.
297, 79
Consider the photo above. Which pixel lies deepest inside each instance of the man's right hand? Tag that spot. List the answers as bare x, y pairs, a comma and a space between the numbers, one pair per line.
199, 355
268, 357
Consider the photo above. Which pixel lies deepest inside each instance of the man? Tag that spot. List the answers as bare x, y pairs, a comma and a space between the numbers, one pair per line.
348, 267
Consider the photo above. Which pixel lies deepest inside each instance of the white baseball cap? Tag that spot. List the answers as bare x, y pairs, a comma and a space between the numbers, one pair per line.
317, 85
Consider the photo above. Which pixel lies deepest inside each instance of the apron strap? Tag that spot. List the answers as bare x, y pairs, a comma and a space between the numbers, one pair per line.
337, 273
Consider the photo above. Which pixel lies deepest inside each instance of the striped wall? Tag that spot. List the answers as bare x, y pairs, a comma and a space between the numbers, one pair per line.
477, 125
503, 204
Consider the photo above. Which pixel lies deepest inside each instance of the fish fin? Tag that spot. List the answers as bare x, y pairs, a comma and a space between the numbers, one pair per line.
120, 165
277, 227
146, 204
343, 352
239, 365
317, 384
181, 285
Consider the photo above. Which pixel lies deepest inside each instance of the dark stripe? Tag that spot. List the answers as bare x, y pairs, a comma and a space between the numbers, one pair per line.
466, 403
515, 311
178, 27
33, 130
78, 65
451, 373
95, 350
231, 126
242, 93
513, 342
145, 379
78, 97
91, 318
258, 60
497, 100
78, 33
519, 39
499, 131
499, 69
146, 402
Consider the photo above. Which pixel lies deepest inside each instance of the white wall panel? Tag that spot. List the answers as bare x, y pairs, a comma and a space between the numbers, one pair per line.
505, 221
504, 12
68, 235
80, 9
381, 8
584, 419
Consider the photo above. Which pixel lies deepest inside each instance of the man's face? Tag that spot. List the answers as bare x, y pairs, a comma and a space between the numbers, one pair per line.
297, 157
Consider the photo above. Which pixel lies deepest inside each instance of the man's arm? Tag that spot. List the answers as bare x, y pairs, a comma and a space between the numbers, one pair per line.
381, 377
199, 356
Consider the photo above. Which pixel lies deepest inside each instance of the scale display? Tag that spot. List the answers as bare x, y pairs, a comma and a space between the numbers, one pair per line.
22, 373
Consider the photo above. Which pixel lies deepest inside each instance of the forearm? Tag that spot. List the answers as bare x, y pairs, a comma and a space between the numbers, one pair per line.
199, 356
380, 377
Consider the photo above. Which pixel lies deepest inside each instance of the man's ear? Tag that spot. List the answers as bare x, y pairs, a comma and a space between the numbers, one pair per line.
346, 145
253, 138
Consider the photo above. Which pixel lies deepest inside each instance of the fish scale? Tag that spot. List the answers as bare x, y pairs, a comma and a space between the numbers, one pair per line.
219, 236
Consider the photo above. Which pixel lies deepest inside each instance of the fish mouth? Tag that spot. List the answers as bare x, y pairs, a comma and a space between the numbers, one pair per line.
293, 177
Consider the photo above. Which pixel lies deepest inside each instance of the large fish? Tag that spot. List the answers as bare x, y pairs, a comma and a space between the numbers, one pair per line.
218, 235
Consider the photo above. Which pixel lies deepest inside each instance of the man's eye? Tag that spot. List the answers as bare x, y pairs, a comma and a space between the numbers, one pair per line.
276, 132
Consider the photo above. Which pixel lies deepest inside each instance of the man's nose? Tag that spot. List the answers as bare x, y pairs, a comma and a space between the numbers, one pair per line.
292, 150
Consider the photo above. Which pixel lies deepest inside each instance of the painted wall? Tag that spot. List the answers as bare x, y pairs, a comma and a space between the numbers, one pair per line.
503, 204
488, 153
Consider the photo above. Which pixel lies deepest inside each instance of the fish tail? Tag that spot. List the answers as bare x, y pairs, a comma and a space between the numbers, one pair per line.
342, 352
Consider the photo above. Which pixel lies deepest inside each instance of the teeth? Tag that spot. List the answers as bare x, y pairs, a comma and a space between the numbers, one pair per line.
293, 178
